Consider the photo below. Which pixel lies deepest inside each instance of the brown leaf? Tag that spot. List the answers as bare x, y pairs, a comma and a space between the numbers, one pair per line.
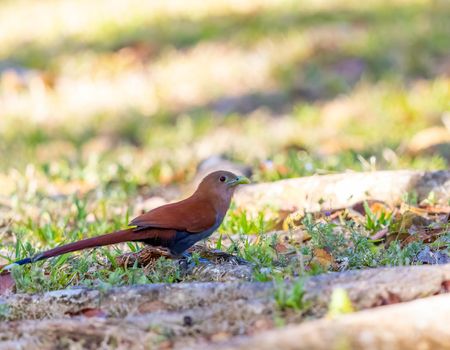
445, 286
7, 284
377, 207
147, 255
94, 313
355, 216
280, 248
89, 312
281, 217
322, 257
403, 222
426, 235
442, 209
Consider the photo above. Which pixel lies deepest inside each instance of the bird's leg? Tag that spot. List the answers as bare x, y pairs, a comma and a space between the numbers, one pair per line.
189, 257
186, 255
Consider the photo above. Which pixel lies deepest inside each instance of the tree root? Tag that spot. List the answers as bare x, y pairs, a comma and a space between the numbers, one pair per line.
181, 314
315, 193
417, 324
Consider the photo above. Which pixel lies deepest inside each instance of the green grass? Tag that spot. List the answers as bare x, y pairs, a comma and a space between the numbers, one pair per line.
94, 270
348, 243
97, 117
292, 298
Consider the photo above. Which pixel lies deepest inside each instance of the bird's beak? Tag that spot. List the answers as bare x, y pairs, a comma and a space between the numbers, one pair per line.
240, 180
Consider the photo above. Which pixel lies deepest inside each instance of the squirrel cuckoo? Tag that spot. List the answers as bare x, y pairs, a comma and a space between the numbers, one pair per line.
176, 226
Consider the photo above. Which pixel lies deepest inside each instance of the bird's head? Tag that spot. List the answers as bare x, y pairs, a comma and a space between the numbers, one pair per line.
221, 183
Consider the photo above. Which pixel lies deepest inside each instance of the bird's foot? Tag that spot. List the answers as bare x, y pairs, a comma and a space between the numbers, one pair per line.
186, 255
195, 258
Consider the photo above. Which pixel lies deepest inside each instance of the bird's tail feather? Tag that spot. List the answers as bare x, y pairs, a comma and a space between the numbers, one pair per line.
99, 241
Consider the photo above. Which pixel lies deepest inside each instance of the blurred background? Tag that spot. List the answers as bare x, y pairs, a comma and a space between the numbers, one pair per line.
121, 97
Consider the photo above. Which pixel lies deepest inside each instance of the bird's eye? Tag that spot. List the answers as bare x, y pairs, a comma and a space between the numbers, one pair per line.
222, 179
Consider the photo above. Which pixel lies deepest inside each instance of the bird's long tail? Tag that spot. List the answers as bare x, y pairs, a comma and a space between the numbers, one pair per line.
99, 241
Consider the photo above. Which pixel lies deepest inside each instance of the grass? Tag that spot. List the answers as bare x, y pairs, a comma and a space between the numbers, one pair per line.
333, 245
94, 270
292, 298
117, 104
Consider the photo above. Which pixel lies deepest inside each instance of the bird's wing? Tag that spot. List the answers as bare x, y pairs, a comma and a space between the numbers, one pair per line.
188, 215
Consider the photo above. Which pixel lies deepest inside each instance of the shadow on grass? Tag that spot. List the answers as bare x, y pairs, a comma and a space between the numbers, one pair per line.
399, 42
405, 40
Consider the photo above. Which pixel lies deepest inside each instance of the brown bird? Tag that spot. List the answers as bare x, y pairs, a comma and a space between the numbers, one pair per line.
176, 226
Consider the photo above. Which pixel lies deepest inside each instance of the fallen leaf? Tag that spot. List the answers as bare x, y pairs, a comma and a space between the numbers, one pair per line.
282, 215
445, 286
144, 257
7, 284
322, 257
442, 209
407, 224
425, 235
280, 248
89, 312
376, 207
